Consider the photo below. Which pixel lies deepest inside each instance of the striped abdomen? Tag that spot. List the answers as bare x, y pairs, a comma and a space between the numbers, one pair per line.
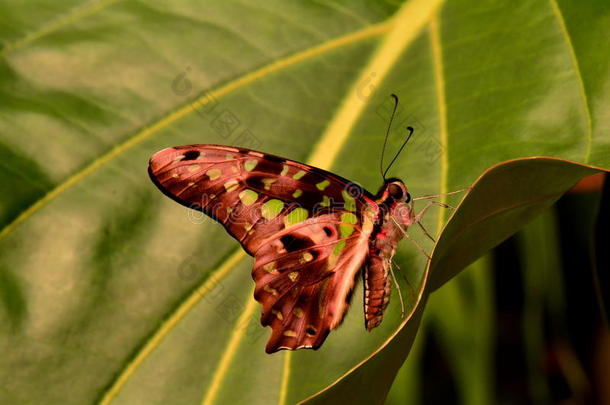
376, 275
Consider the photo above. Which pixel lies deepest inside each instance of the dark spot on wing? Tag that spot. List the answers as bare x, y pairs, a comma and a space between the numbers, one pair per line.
276, 159
292, 243
255, 183
191, 155
328, 231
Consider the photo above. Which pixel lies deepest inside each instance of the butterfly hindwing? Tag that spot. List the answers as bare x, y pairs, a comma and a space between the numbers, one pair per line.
304, 276
306, 229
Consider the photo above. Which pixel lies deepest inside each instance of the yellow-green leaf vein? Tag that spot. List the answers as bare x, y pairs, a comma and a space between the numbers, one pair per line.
63, 21
577, 74
182, 310
439, 79
185, 110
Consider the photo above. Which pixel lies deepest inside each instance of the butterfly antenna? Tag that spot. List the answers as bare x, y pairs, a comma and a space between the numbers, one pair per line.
387, 133
410, 129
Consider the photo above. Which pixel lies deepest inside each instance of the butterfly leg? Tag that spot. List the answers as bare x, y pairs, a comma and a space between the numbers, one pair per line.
430, 204
418, 218
404, 277
426, 232
428, 197
402, 303
421, 249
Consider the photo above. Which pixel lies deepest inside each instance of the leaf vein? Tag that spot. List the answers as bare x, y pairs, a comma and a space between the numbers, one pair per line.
441, 99
158, 335
577, 74
229, 353
185, 110
64, 20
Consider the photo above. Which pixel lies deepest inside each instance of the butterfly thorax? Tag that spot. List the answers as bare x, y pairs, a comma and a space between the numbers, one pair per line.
395, 215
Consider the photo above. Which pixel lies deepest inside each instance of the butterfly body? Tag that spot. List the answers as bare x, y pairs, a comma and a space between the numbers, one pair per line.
310, 232
395, 216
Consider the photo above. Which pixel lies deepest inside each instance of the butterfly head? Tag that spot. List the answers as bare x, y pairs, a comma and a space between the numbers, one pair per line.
393, 191
396, 198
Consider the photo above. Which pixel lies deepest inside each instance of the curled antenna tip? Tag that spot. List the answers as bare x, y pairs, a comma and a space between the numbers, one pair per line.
394, 95
410, 129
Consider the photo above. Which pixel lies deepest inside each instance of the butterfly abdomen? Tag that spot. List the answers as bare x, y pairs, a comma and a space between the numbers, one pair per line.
382, 246
376, 278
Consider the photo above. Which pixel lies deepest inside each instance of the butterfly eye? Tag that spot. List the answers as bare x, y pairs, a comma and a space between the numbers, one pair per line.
395, 191
408, 198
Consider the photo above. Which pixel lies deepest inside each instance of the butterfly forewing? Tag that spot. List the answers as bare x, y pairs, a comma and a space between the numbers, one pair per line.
307, 229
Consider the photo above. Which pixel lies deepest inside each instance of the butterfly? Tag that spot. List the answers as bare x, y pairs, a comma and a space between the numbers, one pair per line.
311, 232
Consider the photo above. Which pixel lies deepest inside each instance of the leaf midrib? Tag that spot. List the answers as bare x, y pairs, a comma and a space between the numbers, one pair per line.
62, 187
325, 153
413, 16
188, 304
320, 156
441, 100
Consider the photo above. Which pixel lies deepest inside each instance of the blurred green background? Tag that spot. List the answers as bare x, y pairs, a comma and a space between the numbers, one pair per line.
528, 322
110, 293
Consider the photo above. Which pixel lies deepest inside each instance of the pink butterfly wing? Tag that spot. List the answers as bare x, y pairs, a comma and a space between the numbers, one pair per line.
307, 231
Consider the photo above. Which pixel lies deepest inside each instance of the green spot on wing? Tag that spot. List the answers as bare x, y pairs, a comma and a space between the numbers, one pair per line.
250, 164
348, 220
339, 248
322, 185
248, 197
296, 216
298, 174
272, 208
231, 185
297, 193
268, 182
350, 203
213, 174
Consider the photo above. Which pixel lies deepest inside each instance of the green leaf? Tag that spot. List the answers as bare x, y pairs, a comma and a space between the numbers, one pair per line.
502, 200
113, 294
543, 288
462, 317
449, 318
